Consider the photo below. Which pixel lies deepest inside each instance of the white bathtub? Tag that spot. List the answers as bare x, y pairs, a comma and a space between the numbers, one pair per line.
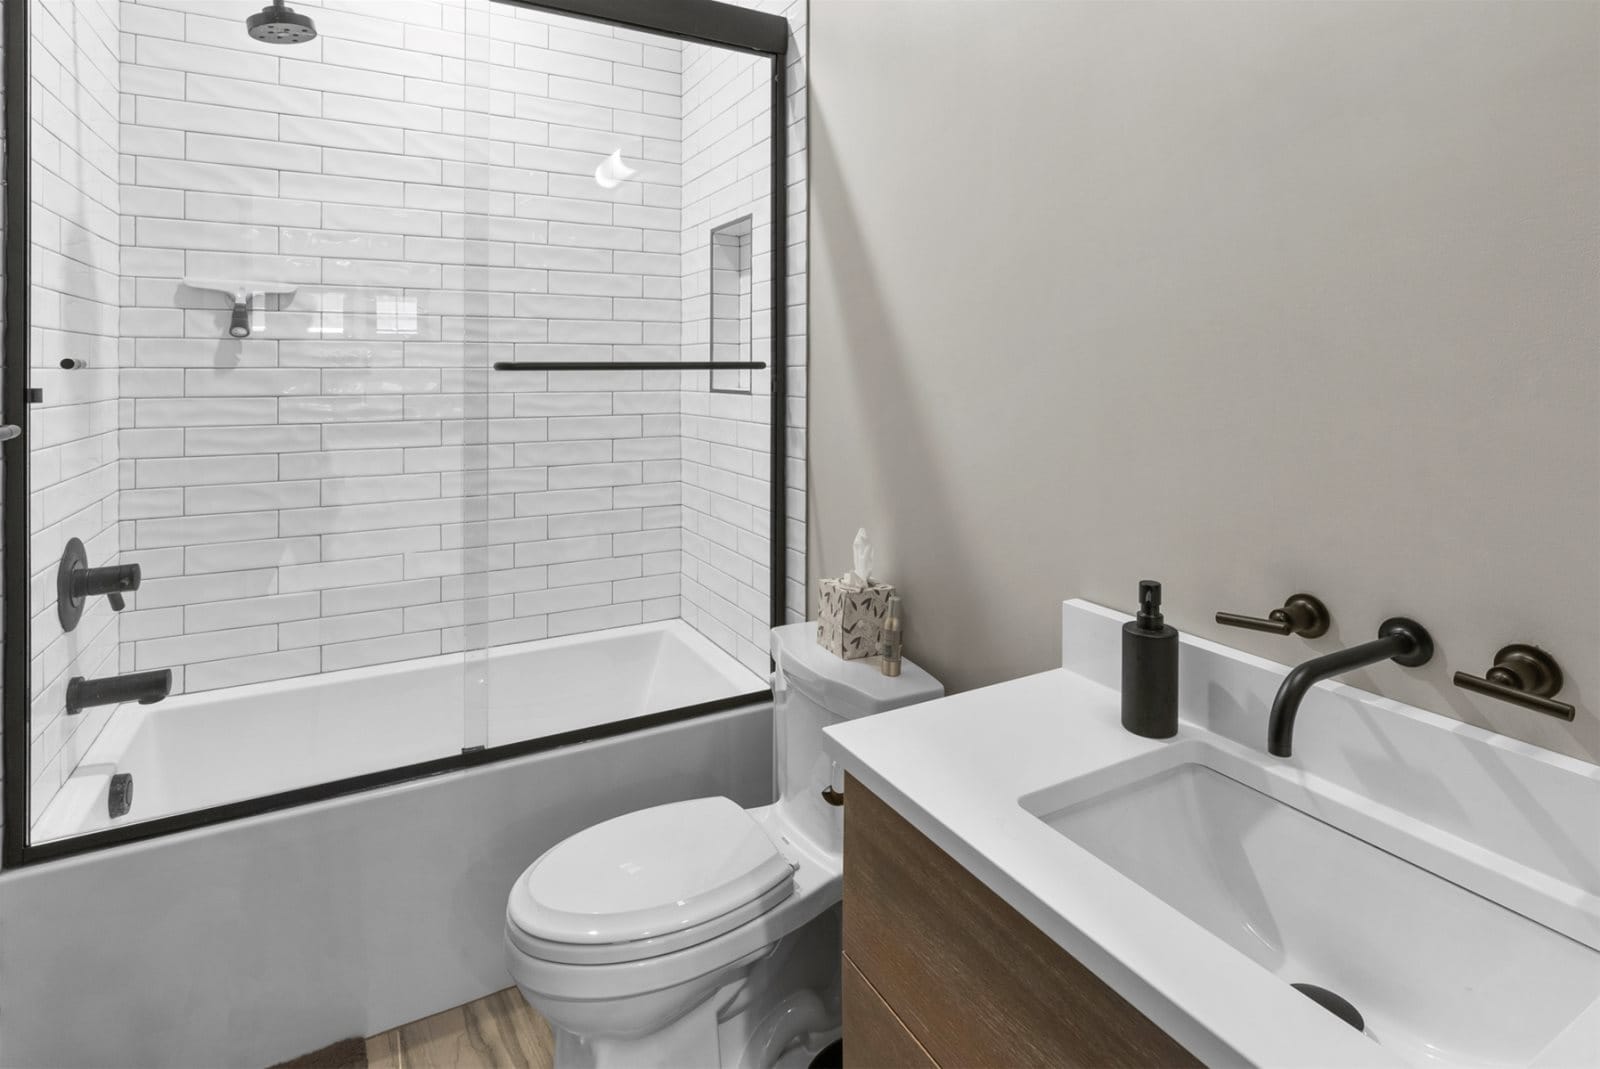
246, 943
201, 750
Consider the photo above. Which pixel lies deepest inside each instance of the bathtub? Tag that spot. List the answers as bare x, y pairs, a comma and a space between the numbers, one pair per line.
245, 943
208, 749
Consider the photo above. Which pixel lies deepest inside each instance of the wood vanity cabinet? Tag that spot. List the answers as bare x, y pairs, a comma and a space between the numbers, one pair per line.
940, 971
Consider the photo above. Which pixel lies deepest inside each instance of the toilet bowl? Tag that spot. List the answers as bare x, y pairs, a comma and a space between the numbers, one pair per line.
699, 933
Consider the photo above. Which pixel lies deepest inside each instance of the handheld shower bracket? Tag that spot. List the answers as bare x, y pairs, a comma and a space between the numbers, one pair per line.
249, 299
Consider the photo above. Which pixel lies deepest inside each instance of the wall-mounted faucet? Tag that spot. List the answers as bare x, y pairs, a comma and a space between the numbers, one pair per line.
1399, 640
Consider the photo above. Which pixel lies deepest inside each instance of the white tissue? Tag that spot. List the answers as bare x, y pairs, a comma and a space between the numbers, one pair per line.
862, 550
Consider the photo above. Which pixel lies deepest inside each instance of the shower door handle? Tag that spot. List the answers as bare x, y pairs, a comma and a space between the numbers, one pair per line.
9, 431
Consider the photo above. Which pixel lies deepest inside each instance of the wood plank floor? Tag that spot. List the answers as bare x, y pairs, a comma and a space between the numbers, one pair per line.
497, 1032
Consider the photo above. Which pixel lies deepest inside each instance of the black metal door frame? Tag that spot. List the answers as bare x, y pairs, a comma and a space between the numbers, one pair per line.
702, 21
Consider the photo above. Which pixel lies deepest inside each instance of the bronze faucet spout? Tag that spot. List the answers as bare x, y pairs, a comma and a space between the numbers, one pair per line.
1399, 639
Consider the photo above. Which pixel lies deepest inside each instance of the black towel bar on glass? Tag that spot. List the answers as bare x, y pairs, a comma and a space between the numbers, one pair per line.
629, 365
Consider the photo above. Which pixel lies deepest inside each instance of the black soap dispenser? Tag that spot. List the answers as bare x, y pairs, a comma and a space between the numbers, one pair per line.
1150, 669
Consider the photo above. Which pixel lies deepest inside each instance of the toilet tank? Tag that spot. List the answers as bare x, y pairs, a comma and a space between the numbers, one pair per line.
812, 689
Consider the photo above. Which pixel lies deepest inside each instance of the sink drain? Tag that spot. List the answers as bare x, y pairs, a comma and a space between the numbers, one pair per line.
1334, 1004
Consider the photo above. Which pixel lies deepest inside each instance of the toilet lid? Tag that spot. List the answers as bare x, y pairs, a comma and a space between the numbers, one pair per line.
654, 947
647, 874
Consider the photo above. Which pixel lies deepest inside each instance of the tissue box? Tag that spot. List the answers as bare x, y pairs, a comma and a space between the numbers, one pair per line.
849, 617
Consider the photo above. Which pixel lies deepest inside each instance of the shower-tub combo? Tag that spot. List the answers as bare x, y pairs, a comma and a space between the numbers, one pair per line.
403, 419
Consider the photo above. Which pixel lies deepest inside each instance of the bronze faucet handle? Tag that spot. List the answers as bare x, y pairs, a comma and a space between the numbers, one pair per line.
1522, 675
1302, 614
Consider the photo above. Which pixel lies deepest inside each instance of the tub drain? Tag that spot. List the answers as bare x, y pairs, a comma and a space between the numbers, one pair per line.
1334, 1004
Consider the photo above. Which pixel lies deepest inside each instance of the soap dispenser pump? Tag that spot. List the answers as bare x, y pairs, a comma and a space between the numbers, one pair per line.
1150, 669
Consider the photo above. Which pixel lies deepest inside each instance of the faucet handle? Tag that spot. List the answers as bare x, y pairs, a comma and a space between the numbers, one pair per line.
1522, 675
1302, 614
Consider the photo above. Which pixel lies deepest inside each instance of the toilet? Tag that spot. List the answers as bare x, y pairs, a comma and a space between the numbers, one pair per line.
699, 933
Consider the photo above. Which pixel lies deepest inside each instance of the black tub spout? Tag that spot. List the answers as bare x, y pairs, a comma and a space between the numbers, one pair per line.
146, 688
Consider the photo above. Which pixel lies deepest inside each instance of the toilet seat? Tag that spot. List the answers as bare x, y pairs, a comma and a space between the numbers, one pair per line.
641, 949
648, 883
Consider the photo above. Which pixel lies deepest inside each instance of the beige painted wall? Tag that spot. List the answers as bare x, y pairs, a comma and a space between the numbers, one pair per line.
1247, 297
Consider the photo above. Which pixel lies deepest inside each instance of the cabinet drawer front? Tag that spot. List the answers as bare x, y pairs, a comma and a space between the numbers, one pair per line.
973, 980
877, 1038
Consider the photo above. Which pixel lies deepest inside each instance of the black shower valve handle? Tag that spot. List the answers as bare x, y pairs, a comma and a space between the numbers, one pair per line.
76, 583
113, 582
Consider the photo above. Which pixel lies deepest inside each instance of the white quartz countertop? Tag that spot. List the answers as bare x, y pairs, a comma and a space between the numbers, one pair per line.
955, 768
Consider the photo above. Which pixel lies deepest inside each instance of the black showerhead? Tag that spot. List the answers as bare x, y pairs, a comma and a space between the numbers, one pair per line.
278, 24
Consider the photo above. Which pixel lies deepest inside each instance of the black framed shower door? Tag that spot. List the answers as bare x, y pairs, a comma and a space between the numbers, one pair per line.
701, 21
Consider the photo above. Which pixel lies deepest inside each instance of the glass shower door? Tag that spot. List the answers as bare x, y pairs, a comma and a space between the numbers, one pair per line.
251, 328
628, 543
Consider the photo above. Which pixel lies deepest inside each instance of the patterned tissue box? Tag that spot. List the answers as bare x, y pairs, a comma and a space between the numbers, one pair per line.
849, 617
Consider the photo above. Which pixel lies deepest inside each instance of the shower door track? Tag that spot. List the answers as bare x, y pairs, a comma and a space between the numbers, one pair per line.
388, 777
702, 21
630, 365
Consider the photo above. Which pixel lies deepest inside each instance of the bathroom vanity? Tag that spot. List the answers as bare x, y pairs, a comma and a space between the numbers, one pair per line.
939, 970
1026, 883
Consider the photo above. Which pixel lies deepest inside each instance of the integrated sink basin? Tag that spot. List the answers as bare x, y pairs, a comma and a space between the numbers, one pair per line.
1404, 889
1439, 973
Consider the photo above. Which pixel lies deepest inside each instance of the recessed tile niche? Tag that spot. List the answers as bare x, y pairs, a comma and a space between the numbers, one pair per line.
730, 304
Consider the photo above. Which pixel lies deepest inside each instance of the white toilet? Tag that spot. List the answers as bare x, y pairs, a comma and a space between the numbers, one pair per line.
700, 934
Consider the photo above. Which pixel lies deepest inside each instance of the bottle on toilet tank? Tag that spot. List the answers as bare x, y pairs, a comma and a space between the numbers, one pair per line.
891, 639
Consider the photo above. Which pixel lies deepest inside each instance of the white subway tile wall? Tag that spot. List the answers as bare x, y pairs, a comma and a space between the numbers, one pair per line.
423, 174
349, 485
76, 235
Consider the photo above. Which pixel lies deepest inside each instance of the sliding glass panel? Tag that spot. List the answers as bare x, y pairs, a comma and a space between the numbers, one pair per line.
727, 254
486, 292
251, 327
630, 203
74, 351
